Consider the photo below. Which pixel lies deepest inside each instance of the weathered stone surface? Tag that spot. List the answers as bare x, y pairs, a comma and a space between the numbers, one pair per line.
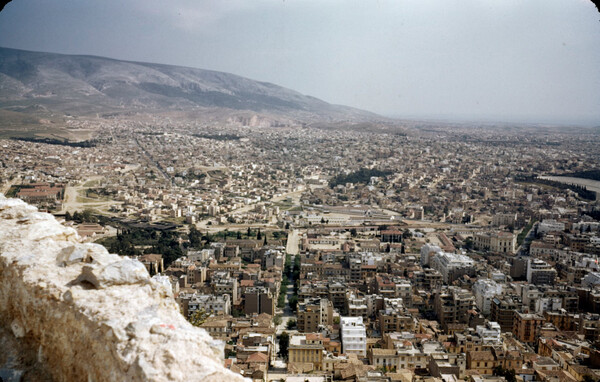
86, 253
126, 326
121, 272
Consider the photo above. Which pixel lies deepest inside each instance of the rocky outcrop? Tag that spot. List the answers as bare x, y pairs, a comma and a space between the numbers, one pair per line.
90, 315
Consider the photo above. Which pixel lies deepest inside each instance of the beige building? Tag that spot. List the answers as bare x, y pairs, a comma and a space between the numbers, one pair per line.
482, 362
501, 242
386, 359
306, 349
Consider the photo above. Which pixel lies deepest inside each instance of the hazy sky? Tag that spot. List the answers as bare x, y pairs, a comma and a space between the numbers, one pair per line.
506, 60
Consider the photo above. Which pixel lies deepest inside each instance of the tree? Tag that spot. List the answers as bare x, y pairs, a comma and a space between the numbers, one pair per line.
284, 342
258, 235
509, 374
277, 320
237, 313
287, 225
68, 216
469, 243
353, 232
293, 301
291, 324
239, 235
195, 237
198, 317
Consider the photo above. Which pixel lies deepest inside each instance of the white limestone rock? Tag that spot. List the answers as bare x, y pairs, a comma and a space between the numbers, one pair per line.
15, 208
85, 253
164, 283
125, 328
125, 271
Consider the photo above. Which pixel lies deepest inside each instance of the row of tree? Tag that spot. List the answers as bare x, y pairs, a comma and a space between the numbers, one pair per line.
127, 241
61, 142
361, 176
581, 191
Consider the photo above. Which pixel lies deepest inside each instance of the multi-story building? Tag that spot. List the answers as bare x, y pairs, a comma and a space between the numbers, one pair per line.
218, 305
464, 342
386, 359
489, 333
500, 242
548, 304
589, 326
539, 272
526, 327
428, 279
355, 266
452, 266
504, 219
305, 349
313, 313
577, 243
451, 305
272, 258
259, 300
562, 320
353, 335
393, 287
591, 280
549, 225
394, 317
482, 362
337, 294
484, 291
222, 283
427, 252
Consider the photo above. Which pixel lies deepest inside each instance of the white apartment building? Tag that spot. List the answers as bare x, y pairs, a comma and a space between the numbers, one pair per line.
550, 225
427, 251
452, 266
202, 255
354, 336
548, 304
489, 333
540, 272
484, 291
218, 305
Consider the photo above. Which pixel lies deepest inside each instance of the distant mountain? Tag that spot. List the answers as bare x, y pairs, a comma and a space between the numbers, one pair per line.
38, 83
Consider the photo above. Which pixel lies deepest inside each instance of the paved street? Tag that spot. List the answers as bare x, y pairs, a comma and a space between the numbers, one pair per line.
292, 242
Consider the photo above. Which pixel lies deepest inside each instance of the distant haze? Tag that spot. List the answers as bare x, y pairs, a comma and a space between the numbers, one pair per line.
502, 60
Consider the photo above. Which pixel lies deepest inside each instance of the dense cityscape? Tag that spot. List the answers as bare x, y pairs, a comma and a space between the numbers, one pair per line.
439, 252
